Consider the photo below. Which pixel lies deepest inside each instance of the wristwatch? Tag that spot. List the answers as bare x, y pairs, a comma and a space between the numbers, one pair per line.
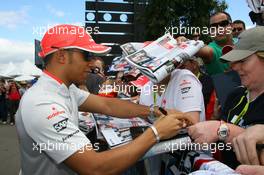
223, 131
152, 118
152, 110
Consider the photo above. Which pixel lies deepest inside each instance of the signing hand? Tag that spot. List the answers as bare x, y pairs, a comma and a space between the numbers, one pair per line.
168, 126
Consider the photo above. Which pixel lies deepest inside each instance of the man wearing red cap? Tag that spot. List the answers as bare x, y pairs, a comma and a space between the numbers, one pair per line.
47, 119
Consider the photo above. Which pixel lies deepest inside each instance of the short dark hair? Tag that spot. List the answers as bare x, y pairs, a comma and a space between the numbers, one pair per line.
227, 14
240, 22
47, 59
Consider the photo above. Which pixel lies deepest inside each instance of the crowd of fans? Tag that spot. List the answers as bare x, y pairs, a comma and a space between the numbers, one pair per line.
10, 95
231, 113
189, 91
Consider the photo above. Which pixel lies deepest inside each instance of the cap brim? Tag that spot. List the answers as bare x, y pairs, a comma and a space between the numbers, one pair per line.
236, 55
96, 48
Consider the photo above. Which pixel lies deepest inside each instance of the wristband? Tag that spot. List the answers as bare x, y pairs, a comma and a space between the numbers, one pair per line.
155, 133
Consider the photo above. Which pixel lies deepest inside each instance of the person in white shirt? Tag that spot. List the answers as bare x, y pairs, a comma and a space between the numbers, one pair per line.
181, 91
47, 118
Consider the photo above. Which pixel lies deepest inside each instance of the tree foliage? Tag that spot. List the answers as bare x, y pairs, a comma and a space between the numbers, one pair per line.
162, 14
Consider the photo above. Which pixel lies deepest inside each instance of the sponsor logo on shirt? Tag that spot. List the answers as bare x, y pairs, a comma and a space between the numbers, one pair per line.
163, 102
185, 90
61, 125
187, 97
184, 82
70, 135
55, 113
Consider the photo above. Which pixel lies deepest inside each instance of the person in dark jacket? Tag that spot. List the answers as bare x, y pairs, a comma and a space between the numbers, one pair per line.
3, 103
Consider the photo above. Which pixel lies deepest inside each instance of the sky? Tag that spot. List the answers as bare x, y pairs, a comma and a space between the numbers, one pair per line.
22, 21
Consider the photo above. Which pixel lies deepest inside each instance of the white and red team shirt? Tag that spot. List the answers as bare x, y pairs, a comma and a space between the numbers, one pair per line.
47, 126
183, 93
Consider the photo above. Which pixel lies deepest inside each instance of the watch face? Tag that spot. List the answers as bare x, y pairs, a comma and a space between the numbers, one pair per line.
223, 132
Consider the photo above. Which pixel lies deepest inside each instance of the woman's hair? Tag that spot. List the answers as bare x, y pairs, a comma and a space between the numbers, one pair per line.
260, 54
47, 59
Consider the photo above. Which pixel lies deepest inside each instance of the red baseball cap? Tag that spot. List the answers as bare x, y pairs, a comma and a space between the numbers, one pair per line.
69, 36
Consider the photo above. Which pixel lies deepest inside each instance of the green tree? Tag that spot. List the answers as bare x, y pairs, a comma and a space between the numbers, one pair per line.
161, 15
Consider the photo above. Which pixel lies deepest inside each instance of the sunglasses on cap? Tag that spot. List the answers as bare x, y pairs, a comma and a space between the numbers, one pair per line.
221, 24
238, 29
86, 55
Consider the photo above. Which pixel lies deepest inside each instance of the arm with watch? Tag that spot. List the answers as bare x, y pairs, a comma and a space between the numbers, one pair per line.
213, 131
247, 143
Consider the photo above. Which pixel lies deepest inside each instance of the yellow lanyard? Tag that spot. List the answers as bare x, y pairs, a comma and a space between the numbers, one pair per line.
198, 75
155, 98
242, 113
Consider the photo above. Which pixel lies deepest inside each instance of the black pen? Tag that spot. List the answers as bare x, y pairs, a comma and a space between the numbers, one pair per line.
163, 111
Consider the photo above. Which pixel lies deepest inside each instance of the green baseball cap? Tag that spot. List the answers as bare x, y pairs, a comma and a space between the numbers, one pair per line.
249, 42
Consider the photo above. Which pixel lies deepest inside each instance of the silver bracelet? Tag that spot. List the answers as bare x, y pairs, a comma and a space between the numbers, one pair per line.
155, 133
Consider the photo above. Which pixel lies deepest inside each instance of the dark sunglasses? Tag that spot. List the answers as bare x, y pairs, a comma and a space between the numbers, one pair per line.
95, 70
238, 29
86, 55
221, 24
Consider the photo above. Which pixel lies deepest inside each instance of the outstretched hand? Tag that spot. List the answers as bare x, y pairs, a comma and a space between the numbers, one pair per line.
168, 126
204, 132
